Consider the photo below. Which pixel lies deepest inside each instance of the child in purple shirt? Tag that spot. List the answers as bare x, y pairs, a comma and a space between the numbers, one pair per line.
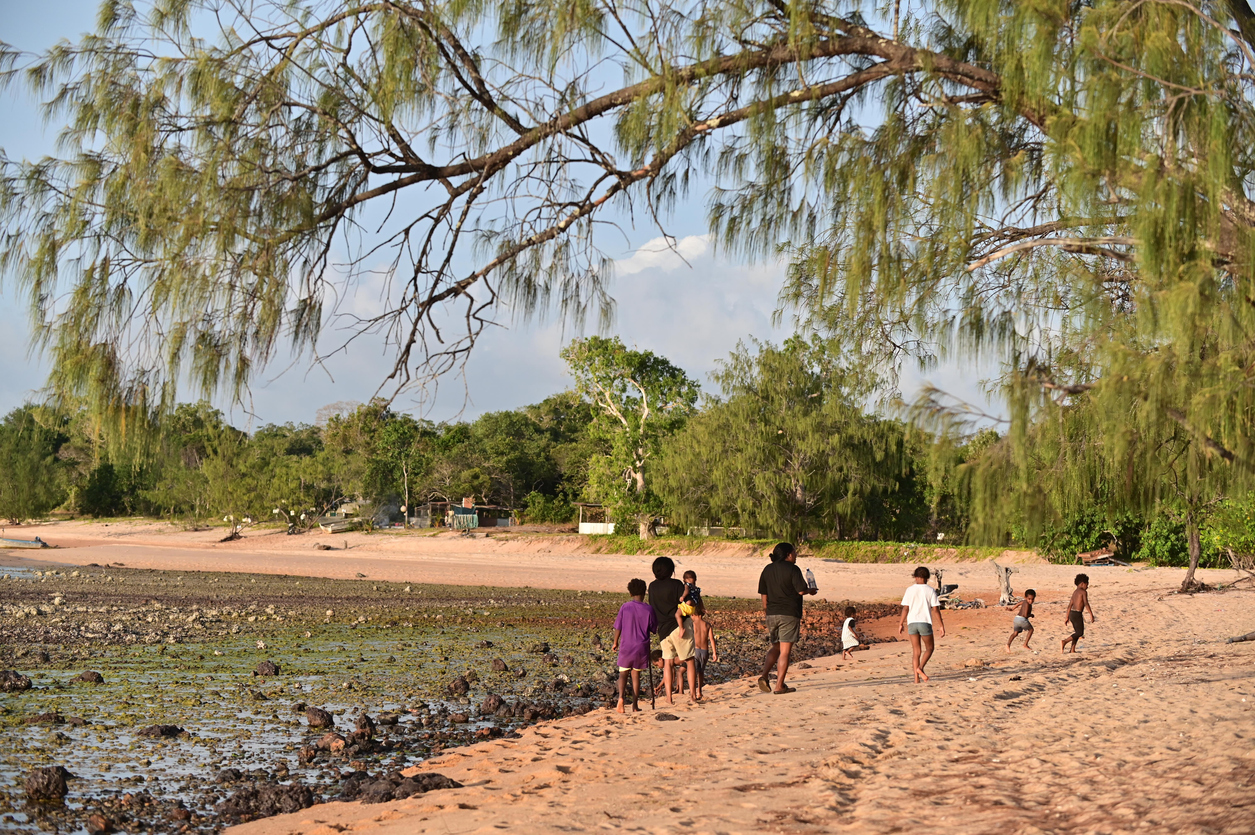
636, 619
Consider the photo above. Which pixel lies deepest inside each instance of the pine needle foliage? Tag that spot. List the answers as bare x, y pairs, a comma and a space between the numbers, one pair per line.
1064, 186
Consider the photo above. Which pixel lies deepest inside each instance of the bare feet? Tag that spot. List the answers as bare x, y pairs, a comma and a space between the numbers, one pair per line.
635, 709
619, 709
920, 675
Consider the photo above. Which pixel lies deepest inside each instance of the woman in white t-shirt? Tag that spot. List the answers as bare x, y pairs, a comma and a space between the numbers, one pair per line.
920, 605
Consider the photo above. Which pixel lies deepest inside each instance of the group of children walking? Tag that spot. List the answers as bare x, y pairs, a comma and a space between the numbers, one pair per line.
676, 613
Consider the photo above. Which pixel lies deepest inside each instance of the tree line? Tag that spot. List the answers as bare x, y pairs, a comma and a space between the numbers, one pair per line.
788, 446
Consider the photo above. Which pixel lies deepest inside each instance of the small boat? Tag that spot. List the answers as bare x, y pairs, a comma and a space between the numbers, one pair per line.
23, 543
339, 525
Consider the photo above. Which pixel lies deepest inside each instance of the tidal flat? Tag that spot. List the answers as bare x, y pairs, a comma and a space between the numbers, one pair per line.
189, 717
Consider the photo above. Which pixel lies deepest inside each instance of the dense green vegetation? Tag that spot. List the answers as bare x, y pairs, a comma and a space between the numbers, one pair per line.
790, 448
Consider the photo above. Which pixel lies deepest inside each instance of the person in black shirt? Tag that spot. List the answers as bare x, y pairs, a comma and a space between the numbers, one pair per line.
781, 588
676, 642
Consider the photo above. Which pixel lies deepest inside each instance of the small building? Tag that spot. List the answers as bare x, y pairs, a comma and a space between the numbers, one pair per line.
593, 519
462, 516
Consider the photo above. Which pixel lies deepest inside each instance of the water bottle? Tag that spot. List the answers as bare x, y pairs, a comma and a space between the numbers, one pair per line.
810, 579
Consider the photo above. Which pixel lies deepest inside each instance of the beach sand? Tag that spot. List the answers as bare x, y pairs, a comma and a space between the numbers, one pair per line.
1149, 728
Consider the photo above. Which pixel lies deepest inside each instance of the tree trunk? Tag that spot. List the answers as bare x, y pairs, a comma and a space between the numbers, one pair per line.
645, 526
1189, 584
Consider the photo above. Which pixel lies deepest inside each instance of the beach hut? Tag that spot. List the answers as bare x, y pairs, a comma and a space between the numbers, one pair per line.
593, 519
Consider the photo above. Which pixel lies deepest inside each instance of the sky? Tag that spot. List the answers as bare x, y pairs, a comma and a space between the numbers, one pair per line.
686, 303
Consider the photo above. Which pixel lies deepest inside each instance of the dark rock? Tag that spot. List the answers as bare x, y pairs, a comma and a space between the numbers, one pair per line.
161, 731
499, 666
422, 783
299, 707
666, 717
520, 673
255, 802
491, 704
472, 676
607, 690
459, 686
266, 668
76, 721
504, 712
367, 725
321, 546
485, 644
596, 643
568, 660
11, 681
258, 696
803, 666
306, 754
388, 719
319, 718
542, 647
98, 824
179, 813
40, 656
459, 718
550, 659
379, 791
46, 719
91, 677
229, 775
47, 784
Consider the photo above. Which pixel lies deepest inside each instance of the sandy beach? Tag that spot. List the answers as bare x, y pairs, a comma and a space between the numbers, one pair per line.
1147, 729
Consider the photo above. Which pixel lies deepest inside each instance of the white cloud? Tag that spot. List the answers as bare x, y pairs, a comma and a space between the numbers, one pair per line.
663, 254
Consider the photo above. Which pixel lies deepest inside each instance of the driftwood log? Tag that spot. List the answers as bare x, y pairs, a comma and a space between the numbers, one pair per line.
1249, 636
1005, 596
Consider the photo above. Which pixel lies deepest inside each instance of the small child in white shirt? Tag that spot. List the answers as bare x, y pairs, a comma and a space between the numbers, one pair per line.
848, 639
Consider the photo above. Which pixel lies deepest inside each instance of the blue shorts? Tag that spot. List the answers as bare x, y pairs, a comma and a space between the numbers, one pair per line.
919, 629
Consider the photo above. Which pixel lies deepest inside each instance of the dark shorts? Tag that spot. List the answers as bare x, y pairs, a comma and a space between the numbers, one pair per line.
783, 629
701, 656
1078, 623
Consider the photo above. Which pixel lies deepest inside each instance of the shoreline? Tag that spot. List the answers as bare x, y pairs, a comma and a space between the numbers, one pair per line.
522, 562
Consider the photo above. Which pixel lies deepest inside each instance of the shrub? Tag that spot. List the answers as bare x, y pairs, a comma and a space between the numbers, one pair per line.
547, 510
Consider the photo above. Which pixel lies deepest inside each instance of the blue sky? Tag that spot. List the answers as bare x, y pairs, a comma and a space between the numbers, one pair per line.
692, 310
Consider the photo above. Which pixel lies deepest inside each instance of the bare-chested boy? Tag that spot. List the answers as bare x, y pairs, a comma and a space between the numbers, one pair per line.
1021, 622
1076, 618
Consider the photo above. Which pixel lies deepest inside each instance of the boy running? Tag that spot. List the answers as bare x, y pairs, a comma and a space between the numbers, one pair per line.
1021, 622
1076, 609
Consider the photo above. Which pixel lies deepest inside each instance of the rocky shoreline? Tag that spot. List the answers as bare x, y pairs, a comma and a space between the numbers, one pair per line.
184, 702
